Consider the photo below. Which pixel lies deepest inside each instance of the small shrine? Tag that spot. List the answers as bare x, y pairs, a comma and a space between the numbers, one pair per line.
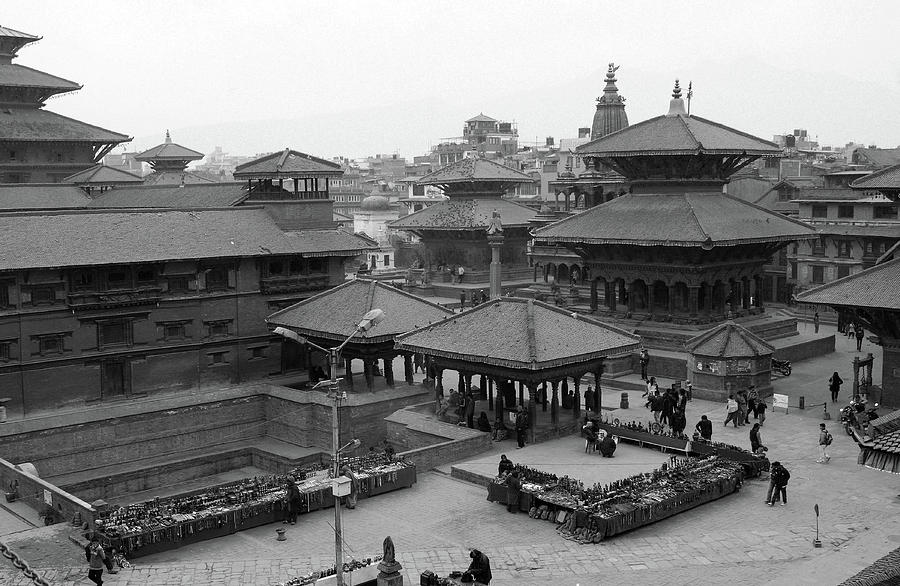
454, 233
726, 359
169, 162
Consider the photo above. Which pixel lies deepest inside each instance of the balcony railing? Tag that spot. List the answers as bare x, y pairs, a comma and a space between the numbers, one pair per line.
99, 299
292, 283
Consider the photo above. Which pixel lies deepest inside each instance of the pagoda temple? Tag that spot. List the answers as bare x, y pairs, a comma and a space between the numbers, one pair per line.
676, 248
169, 162
454, 232
40, 146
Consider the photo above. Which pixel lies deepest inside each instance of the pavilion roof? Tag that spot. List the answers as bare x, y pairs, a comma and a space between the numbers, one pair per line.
474, 170
196, 195
169, 151
466, 214
888, 423
519, 333
15, 75
678, 135
875, 288
8, 32
287, 163
102, 237
729, 340
481, 118
37, 124
334, 314
38, 196
101, 174
888, 178
176, 177
685, 219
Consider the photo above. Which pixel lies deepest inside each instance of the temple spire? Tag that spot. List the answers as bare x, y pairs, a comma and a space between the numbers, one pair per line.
676, 105
610, 115
168, 137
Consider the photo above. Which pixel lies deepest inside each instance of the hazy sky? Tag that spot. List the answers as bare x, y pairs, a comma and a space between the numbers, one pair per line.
358, 78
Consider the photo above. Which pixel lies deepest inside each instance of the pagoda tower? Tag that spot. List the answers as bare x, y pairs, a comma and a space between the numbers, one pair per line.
454, 232
39, 146
610, 115
676, 248
169, 162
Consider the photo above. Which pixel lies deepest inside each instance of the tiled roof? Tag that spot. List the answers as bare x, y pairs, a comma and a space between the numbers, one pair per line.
465, 214
889, 442
334, 314
884, 572
887, 423
288, 163
519, 333
688, 219
474, 169
198, 195
835, 229
878, 157
729, 340
8, 32
169, 151
827, 194
102, 175
95, 237
875, 287
176, 178
38, 196
678, 135
37, 124
481, 118
13, 75
888, 178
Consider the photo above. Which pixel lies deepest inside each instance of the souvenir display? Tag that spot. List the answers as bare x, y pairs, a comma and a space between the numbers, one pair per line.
351, 566
165, 523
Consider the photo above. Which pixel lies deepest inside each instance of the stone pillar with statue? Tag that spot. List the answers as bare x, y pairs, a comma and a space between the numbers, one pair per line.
495, 241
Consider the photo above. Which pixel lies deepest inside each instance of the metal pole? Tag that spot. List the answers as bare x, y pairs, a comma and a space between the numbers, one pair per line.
336, 444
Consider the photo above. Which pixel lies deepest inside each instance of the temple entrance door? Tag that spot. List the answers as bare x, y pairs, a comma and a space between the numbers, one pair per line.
681, 298
660, 297
562, 274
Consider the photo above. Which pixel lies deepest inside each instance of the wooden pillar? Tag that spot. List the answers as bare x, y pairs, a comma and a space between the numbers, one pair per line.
498, 406
576, 400
707, 298
389, 371
629, 290
693, 299
611, 295
439, 382
482, 384
598, 396
671, 299
461, 383
521, 393
564, 399
490, 393
467, 379
757, 290
408, 368
594, 295
369, 373
745, 292
554, 405
651, 298
296, 191
544, 396
532, 412
348, 368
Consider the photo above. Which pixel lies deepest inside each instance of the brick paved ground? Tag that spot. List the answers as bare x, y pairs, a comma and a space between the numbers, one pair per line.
736, 540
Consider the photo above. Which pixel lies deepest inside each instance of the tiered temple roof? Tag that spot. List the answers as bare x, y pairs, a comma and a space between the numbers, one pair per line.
729, 340
102, 176
287, 164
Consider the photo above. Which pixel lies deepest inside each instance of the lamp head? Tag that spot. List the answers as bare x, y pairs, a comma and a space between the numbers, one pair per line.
371, 319
289, 334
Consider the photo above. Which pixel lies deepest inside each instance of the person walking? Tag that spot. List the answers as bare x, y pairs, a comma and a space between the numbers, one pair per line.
761, 407
704, 428
644, 361
825, 440
460, 272
521, 426
513, 490
462, 300
470, 410
778, 485
97, 559
679, 422
859, 332
834, 385
731, 407
755, 439
816, 322
742, 407
752, 400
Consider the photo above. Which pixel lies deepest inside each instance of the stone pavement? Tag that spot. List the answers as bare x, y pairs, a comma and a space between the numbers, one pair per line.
735, 540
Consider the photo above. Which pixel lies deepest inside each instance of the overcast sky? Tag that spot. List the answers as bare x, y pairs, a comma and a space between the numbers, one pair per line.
357, 78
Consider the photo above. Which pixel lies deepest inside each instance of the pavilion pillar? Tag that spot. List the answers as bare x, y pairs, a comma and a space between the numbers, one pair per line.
498, 406
693, 299
296, 191
461, 383
593, 295
532, 412
745, 292
408, 368
757, 290
369, 372
544, 397
389, 371
490, 393
482, 385
598, 397
629, 291
521, 393
348, 370
576, 400
671, 299
565, 400
439, 382
554, 405
467, 379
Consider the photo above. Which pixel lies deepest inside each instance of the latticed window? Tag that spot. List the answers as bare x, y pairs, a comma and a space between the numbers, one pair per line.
818, 247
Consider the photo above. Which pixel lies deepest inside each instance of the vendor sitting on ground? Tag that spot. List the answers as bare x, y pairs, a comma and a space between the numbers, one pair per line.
500, 432
607, 446
590, 437
483, 423
480, 568
505, 466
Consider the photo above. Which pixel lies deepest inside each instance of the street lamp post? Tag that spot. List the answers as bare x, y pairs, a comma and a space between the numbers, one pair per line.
369, 320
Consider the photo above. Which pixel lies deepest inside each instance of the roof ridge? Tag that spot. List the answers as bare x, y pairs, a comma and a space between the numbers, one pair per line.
75, 83
690, 132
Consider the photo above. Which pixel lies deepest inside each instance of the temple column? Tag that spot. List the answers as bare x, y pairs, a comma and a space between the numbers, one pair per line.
439, 382
521, 393
651, 298
745, 292
564, 400
671, 299
499, 415
348, 372
389, 371
707, 298
598, 397
576, 400
467, 380
532, 412
554, 405
544, 396
630, 294
461, 383
593, 295
490, 393
495, 241
408, 368
693, 299
369, 373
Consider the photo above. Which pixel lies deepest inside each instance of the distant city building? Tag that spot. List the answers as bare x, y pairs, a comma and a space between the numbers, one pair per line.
375, 212
36, 145
221, 165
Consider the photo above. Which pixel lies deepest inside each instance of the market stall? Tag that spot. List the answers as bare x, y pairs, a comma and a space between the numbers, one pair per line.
162, 524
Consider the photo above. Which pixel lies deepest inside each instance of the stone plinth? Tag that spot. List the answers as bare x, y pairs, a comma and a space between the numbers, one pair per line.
389, 574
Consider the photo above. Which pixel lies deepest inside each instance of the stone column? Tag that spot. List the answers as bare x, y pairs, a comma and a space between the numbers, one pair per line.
544, 396
651, 298
521, 393
554, 405
693, 299
757, 290
495, 241
564, 399
348, 368
388, 371
598, 397
439, 382
461, 383
408, 368
467, 379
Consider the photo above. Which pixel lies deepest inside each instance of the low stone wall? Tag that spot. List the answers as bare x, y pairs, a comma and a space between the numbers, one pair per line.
430, 443
796, 350
428, 457
39, 494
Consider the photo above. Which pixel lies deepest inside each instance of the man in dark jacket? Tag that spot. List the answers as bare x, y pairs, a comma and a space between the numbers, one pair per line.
704, 428
480, 568
778, 484
513, 492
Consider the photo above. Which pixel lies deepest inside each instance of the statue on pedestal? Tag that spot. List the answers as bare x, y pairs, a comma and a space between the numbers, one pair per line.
389, 568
